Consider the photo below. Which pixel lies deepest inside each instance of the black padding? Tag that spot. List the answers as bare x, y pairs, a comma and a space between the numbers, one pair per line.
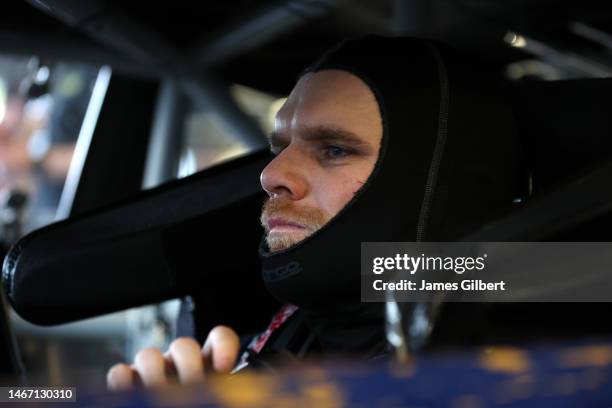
565, 127
178, 239
566, 134
11, 366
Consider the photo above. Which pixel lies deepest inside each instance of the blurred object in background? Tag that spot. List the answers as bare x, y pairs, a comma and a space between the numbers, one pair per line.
50, 148
12, 212
41, 111
207, 142
42, 107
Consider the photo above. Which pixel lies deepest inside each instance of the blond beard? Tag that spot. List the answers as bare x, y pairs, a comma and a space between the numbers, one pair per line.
310, 217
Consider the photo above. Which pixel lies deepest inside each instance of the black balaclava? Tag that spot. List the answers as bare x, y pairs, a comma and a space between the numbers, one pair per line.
448, 162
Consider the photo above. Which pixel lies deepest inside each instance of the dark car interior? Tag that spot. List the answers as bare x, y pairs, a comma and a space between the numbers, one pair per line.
131, 232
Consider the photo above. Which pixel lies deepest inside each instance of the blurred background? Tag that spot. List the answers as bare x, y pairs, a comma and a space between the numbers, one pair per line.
101, 99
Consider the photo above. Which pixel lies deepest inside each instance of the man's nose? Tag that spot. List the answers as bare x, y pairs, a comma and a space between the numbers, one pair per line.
284, 176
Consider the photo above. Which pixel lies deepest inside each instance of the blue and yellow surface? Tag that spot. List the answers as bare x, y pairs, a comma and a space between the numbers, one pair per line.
566, 375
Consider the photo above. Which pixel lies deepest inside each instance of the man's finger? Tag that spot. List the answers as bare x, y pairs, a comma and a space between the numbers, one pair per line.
221, 347
187, 360
120, 377
151, 367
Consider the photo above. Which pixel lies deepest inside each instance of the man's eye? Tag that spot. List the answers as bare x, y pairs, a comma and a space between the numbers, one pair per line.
335, 152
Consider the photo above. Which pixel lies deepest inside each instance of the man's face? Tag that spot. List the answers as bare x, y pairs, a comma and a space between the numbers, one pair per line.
326, 140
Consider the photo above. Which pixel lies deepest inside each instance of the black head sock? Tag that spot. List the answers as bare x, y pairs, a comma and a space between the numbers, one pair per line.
448, 162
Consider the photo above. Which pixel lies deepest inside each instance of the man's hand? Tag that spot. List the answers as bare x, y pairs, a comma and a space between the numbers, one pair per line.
183, 360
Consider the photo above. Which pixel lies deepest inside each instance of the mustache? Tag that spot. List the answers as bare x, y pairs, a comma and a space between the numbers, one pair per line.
309, 217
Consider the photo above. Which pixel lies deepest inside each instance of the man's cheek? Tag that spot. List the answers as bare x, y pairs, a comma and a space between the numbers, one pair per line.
346, 194
333, 201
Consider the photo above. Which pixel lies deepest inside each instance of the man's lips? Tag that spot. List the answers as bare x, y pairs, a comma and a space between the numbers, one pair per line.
280, 223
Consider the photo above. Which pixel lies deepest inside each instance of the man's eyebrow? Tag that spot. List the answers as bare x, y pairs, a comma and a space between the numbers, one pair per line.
327, 134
